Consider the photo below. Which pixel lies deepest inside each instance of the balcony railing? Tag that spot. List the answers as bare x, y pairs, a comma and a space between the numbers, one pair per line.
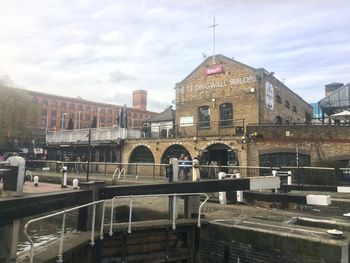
213, 128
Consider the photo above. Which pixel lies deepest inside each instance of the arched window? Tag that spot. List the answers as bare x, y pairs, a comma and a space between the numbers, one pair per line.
204, 117
141, 154
44, 101
278, 119
287, 104
35, 100
278, 99
175, 150
226, 115
53, 104
63, 105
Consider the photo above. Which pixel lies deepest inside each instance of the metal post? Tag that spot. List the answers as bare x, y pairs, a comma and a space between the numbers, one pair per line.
60, 250
102, 219
89, 157
111, 224
92, 242
174, 211
200, 211
130, 215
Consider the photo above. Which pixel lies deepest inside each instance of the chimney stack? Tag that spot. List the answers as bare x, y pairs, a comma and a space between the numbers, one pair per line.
139, 99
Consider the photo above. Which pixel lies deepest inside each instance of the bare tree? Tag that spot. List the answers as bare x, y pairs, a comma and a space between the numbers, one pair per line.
18, 117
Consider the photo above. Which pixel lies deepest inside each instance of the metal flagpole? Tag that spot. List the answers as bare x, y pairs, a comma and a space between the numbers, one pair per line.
213, 26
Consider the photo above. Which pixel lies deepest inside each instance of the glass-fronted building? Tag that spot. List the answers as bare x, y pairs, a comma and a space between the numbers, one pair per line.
336, 102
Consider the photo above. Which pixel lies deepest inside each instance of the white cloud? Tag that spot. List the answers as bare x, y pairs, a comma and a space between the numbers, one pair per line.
80, 47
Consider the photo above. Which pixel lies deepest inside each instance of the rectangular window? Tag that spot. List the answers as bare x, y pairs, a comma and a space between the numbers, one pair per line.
226, 115
204, 117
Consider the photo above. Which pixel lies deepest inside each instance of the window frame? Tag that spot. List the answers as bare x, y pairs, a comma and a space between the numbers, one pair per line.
226, 121
203, 120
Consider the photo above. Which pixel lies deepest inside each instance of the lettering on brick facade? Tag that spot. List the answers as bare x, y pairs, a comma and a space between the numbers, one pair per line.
216, 84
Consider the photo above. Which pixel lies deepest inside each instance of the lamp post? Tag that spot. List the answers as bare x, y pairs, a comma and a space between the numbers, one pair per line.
79, 112
98, 118
89, 156
63, 117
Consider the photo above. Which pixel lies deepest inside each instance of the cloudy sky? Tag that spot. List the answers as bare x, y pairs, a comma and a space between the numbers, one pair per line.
102, 50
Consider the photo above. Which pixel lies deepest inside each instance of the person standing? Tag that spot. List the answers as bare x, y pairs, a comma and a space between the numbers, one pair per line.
181, 168
186, 167
169, 170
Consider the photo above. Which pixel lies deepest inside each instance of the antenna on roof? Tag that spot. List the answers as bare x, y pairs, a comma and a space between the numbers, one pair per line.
213, 26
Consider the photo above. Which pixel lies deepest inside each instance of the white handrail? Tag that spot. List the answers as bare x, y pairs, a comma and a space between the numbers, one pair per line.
156, 195
59, 256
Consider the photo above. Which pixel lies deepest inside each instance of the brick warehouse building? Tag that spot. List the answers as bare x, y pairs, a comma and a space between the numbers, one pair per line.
214, 104
232, 114
56, 112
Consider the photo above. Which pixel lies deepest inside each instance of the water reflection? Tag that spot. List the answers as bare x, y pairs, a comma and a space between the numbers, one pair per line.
45, 231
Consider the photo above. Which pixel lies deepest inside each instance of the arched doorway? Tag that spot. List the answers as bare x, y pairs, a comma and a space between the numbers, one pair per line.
141, 154
220, 153
139, 161
174, 151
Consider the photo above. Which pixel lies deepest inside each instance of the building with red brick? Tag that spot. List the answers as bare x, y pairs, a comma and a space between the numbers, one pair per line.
57, 111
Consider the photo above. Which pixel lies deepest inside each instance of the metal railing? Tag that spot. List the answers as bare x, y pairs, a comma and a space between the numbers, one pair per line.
64, 213
154, 170
300, 175
153, 131
157, 195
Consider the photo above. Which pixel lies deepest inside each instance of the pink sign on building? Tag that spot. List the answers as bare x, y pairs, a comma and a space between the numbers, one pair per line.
214, 70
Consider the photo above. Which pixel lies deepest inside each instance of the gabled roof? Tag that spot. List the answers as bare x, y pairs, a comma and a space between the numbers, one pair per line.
211, 58
167, 115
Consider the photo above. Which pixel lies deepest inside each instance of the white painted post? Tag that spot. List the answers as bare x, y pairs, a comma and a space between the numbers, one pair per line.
36, 181
175, 163
222, 195
274, 173
75, 183
172, 200
239, 193
289, 178
64, 177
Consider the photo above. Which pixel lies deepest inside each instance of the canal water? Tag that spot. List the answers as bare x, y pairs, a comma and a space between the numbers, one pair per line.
44, 231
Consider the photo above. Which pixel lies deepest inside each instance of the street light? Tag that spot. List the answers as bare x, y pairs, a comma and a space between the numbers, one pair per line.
63, 117
89, 155
79, 112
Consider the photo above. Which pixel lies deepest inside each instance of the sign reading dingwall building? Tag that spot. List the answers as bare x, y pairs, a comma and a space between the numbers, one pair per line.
269, 96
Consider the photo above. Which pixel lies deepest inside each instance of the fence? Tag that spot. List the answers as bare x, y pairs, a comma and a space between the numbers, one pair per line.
150, 170
154, 131
300, 175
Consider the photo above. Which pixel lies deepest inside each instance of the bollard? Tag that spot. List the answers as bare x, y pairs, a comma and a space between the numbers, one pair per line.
175, 163
64, 177
222, 195
289, 178
274, 173
12, 186
195, 170
13, 182
239, 193
75, 183
36, 181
